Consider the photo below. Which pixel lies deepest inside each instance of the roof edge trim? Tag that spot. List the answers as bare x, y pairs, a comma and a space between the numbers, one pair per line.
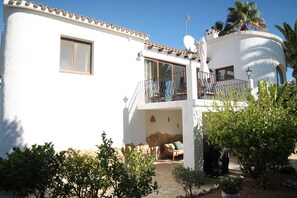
74, 17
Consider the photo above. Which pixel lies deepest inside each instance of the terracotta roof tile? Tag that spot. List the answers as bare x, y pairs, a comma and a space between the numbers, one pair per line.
161, 48
73, 16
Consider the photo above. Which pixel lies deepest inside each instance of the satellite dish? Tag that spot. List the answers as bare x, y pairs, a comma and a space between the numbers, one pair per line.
190, 43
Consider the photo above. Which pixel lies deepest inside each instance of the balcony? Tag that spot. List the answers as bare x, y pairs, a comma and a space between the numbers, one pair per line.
164, 89
209, 87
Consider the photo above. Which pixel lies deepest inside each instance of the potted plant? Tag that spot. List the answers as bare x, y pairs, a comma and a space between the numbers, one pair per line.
230, 186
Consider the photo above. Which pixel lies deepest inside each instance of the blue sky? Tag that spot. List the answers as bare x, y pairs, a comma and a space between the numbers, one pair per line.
164, 20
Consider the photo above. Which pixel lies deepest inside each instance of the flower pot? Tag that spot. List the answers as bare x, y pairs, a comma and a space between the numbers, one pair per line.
227, 195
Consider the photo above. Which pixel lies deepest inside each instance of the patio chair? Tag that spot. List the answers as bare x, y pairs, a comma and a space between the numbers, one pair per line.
174, 149
211, 91
205, 89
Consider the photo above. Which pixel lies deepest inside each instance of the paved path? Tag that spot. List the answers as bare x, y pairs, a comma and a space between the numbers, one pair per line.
171, 189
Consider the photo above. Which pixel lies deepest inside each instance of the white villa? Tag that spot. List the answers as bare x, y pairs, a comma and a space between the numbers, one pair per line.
67, 78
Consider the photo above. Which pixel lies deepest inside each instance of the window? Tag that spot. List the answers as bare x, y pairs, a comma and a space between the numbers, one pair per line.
161, 71
75, 56
226, 73
279, 76
163, 78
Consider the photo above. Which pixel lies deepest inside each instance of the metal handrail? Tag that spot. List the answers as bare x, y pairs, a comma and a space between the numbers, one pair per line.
164, 88
208, 86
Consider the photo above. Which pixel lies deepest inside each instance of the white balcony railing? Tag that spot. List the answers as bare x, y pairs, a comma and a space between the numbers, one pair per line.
164, 89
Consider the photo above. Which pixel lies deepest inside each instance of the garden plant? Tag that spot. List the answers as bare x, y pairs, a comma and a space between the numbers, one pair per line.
261, 132
29, 171
189, 179
41, 172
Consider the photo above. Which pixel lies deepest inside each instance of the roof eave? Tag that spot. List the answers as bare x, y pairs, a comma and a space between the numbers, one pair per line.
74, 17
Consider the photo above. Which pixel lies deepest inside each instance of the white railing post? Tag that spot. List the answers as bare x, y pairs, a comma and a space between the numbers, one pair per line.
251, 83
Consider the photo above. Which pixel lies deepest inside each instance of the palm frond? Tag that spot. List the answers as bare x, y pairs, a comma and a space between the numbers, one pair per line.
243, 16
290, 43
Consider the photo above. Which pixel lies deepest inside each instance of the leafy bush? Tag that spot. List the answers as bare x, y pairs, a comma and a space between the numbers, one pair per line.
188, 178
229, 184
131, 178
262, 133
29, 171
39, 170
79, 176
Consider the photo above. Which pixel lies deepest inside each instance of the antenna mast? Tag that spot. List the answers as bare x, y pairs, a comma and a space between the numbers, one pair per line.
187, 20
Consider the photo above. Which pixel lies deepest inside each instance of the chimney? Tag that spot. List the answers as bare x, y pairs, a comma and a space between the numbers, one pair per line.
211, 34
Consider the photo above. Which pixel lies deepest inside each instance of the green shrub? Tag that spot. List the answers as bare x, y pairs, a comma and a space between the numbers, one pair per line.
131, 178
79, 176
39, 170
141, 169
229, 184
262, 133
188, 178
29, 171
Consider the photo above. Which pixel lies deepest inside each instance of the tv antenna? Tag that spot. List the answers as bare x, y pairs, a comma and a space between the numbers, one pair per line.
187, 21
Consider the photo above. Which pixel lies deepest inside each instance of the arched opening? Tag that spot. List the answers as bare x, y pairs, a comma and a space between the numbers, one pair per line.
279, 75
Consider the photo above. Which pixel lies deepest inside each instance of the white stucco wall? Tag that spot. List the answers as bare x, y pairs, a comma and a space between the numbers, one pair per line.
261, 51
71, 110
167, 121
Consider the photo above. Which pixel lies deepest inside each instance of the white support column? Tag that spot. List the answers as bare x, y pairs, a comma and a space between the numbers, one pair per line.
188, 136
191, 81
192, 119
198, 138
192, 137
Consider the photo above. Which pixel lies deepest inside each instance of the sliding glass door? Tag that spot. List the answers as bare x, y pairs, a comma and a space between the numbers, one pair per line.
163, 79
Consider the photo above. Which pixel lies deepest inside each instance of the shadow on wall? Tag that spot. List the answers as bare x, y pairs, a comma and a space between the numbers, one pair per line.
10, 136
198, 146
262, 59
131, 116
126, 126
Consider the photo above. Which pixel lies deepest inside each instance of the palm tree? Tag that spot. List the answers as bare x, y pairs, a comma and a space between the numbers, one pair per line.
290, 45
219, 25
245, 16
222, 27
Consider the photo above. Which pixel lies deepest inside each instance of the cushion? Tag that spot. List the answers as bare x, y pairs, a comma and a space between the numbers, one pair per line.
178, 145
170, 145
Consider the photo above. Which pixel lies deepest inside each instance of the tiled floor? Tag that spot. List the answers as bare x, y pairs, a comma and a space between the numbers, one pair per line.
170, 188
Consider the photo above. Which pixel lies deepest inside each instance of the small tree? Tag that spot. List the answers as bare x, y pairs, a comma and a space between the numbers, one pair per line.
261, 133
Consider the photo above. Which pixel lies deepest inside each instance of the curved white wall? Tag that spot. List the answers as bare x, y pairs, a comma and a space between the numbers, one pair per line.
260, 51
71, 110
